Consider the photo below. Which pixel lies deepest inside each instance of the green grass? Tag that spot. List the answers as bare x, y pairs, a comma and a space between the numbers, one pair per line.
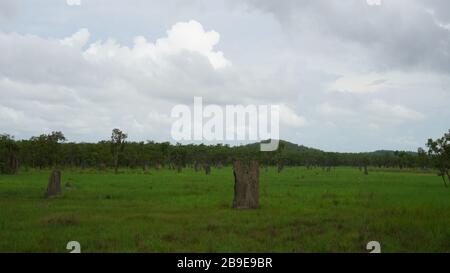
164, 211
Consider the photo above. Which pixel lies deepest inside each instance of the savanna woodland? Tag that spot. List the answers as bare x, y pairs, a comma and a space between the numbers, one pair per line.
122, 196
95, 95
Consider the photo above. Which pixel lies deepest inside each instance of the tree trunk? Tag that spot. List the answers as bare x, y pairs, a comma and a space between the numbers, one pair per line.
197, 166
246, 185
116, 165
207, 169
280, 167
54, 184
14, 164
445, 182
366, 172
101, 167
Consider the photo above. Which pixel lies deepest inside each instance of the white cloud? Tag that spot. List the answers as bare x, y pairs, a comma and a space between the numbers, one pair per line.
128, 73
392, 113
83, 87
359, 83
10, 115
78, 39
331, 111
182, 37
89, 91
73, 2
290, 118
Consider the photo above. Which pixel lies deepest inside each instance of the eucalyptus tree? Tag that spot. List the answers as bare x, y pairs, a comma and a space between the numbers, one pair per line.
8, 155
439, 153
178, 157
118, 139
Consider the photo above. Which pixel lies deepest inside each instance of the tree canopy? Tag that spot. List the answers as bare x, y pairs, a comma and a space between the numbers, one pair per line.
47, 150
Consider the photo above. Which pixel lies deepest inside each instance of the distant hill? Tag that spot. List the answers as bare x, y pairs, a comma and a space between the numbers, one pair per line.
389, 152
292, 147
289, 147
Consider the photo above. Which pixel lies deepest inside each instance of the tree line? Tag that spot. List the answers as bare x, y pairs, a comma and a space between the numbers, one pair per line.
51, 150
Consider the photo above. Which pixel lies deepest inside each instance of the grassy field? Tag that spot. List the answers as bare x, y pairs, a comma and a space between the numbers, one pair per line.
164, 211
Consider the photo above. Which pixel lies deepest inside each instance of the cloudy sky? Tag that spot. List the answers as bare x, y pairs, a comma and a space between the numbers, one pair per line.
349, 76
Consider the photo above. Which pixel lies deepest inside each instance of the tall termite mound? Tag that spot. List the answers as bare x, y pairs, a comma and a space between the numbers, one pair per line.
246, 185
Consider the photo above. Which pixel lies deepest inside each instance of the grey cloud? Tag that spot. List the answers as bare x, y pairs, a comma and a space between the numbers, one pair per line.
398, 34
46, 85
51, 62
8, 9
378, 82
292, 60
441, 8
